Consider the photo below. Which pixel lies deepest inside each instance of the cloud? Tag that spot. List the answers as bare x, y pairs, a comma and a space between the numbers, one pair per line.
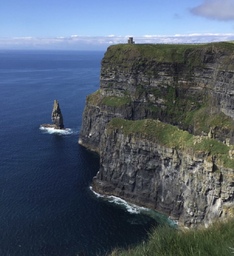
215, 9
76, 42
186, 38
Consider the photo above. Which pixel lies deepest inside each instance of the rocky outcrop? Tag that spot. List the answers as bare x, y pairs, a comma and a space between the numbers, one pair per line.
188, 87
56, 117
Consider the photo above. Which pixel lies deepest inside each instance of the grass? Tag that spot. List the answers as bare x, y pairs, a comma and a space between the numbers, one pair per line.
172, 137
192, 54
179, 111
160, 52
94, 98
217, 240
202, 120
112, 101
192, 112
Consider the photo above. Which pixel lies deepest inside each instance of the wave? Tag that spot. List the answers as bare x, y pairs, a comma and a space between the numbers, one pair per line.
51, 130
131, 208
134, 209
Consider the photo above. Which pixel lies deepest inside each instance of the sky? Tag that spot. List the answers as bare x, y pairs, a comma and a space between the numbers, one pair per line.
96, 24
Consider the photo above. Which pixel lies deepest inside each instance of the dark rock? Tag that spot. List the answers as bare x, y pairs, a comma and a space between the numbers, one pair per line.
56, 117
191, 87
188, 188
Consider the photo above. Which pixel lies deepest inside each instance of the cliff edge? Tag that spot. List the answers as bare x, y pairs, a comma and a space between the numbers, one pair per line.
163, 124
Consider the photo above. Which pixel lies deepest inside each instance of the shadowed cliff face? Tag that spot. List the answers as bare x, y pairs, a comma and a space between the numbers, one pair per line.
188, 86
186, 184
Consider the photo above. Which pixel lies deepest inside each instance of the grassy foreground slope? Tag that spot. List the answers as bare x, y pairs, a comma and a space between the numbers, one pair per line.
217, 240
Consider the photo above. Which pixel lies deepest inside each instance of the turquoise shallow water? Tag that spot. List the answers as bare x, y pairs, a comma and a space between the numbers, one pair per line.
46, 205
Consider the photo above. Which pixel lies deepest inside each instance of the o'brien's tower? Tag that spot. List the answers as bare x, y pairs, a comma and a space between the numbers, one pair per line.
130, 40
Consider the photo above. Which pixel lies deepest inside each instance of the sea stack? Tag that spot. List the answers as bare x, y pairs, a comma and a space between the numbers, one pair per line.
56, 116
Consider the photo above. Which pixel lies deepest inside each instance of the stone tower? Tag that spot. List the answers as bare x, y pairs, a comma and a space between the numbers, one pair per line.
130, 40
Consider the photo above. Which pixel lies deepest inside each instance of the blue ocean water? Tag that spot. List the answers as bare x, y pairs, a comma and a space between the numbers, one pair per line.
46, 205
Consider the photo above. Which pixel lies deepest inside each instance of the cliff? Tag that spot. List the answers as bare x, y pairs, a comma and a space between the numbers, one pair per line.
163, 124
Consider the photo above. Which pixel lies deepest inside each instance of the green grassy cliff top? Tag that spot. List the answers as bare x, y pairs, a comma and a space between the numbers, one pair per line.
165, 52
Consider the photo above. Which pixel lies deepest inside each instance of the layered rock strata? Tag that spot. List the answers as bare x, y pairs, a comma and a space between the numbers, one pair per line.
188, 87
56, 117
178, 175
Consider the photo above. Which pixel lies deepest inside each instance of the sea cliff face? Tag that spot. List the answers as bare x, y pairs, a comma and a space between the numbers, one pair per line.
163, 124
179, 180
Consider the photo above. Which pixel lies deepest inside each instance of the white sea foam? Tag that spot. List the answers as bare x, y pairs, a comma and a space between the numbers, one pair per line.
134, 209
50, 130
131, 208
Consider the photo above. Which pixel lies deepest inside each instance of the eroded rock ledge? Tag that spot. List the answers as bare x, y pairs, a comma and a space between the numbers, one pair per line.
163, 124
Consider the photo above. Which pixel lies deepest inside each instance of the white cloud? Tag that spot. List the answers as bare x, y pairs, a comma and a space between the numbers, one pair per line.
185, 38
215, 9
75, 42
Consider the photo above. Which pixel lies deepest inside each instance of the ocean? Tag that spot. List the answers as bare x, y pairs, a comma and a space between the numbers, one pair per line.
46, 205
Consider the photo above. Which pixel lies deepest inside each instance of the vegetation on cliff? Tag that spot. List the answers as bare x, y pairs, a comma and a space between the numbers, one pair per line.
112, 101
140, 54
188, 113
165, 82
177, 101
172, 137
217, 240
